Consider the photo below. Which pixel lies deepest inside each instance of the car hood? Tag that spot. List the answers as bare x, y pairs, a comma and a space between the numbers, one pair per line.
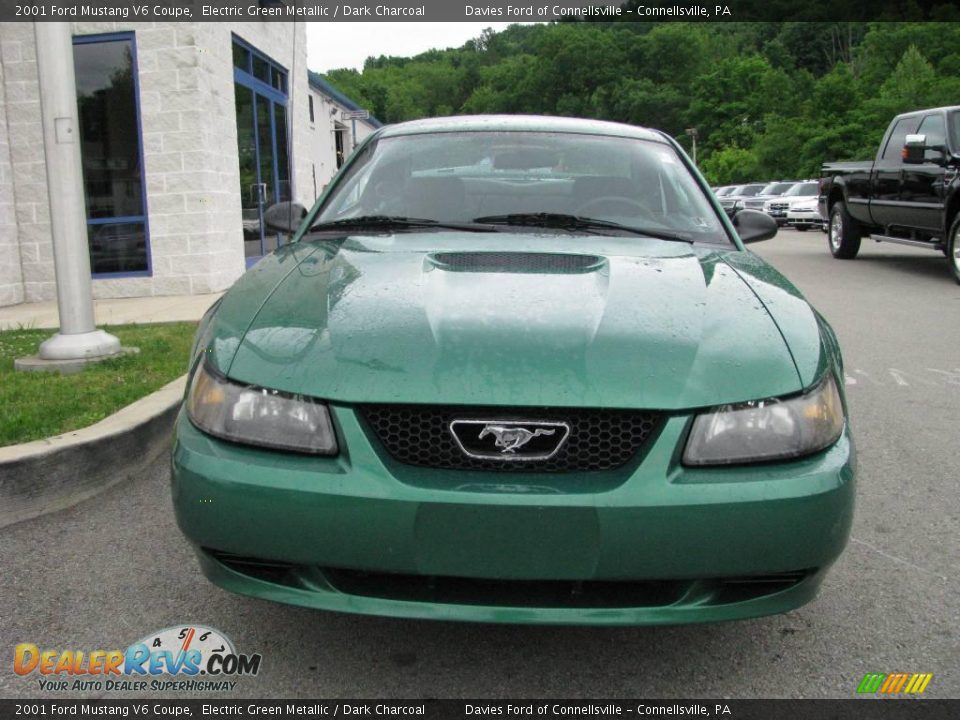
794, 199
532, 319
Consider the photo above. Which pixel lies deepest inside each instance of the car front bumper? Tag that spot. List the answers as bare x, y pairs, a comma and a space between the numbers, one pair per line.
650, 543
797, 217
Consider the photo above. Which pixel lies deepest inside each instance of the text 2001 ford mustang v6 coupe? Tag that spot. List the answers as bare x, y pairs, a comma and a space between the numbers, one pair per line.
517, 369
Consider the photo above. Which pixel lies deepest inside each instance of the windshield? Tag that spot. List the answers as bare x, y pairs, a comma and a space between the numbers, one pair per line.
495, 176
750, 190
808, 189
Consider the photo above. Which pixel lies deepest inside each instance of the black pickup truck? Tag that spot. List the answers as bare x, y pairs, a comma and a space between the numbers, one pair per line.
910, 194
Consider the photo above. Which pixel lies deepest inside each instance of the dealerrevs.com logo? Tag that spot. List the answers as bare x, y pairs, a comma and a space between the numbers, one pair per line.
185, 657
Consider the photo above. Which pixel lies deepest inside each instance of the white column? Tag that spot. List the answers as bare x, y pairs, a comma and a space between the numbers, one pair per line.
78, 336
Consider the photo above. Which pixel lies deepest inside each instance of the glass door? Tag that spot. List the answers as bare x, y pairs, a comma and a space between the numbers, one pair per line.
261, 109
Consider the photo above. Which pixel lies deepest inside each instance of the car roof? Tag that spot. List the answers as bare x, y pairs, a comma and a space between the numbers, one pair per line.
945, 108
521, 123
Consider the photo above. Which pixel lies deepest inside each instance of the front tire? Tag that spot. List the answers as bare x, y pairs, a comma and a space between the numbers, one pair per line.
953, 249
800, 228
843, 235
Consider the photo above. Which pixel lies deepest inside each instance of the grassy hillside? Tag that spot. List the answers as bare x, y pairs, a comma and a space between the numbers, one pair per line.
769, 100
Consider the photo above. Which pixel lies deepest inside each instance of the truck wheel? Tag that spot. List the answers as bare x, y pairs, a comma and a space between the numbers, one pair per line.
843, 235
953, 249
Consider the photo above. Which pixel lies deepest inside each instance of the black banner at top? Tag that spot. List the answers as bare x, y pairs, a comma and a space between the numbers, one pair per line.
592, 709
477, 10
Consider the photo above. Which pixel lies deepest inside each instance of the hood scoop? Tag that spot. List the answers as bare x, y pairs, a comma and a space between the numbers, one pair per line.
531, 263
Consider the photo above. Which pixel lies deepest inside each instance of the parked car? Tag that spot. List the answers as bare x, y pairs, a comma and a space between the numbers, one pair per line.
740, 192
769, 192
499, 393
805, 215
801, 192
907, 195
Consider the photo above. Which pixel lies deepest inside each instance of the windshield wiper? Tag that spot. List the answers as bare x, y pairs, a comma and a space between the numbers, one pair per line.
365, 222
574, 222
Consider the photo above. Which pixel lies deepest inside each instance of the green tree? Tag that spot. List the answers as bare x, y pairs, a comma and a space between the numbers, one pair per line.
770, 100
731, 165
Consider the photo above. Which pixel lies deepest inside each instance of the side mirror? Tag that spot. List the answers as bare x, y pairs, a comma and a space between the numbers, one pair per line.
915, 151
284, 217
753, 226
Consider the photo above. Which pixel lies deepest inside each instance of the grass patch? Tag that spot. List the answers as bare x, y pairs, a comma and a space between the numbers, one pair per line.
40, 404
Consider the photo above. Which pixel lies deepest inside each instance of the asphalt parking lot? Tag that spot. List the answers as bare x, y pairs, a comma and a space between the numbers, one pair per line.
111, 570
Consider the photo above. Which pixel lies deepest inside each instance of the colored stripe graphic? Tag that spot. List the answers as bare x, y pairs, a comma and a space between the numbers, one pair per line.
895, 683
871, 682
918, 683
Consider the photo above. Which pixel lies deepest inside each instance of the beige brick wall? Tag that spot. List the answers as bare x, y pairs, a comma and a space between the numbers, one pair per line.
11, 277
188, 124
27, 166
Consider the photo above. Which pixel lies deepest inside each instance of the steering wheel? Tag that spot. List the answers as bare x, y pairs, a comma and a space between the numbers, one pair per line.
614, 201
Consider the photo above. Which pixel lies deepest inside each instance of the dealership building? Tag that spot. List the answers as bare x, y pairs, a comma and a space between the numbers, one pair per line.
188, 132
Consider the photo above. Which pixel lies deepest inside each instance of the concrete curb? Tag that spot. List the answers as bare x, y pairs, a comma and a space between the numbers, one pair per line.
52, 474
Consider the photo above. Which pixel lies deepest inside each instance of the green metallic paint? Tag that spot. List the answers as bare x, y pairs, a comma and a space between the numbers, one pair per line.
663, 521
793, 315
653, 325
522, 123
714, 522
658, 325
691, 609
225, 324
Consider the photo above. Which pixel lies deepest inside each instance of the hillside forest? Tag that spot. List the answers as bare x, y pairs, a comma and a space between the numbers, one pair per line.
768, 100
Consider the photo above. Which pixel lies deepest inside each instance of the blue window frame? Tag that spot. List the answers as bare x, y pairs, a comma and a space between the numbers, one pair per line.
108, 100
260, 87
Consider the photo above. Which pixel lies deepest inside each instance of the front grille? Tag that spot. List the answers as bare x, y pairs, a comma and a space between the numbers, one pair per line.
779, 206
598, 440
273, 571
508, 593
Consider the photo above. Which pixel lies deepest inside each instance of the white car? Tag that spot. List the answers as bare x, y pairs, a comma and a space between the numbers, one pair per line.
802, 192
806, 214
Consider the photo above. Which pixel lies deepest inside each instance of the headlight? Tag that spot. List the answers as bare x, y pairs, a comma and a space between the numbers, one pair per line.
767, 429
258, 416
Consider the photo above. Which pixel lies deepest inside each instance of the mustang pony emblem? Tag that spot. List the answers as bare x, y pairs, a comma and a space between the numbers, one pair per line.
512, 438
506, 440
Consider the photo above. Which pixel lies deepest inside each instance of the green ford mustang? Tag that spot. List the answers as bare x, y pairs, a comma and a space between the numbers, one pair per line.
517, 369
